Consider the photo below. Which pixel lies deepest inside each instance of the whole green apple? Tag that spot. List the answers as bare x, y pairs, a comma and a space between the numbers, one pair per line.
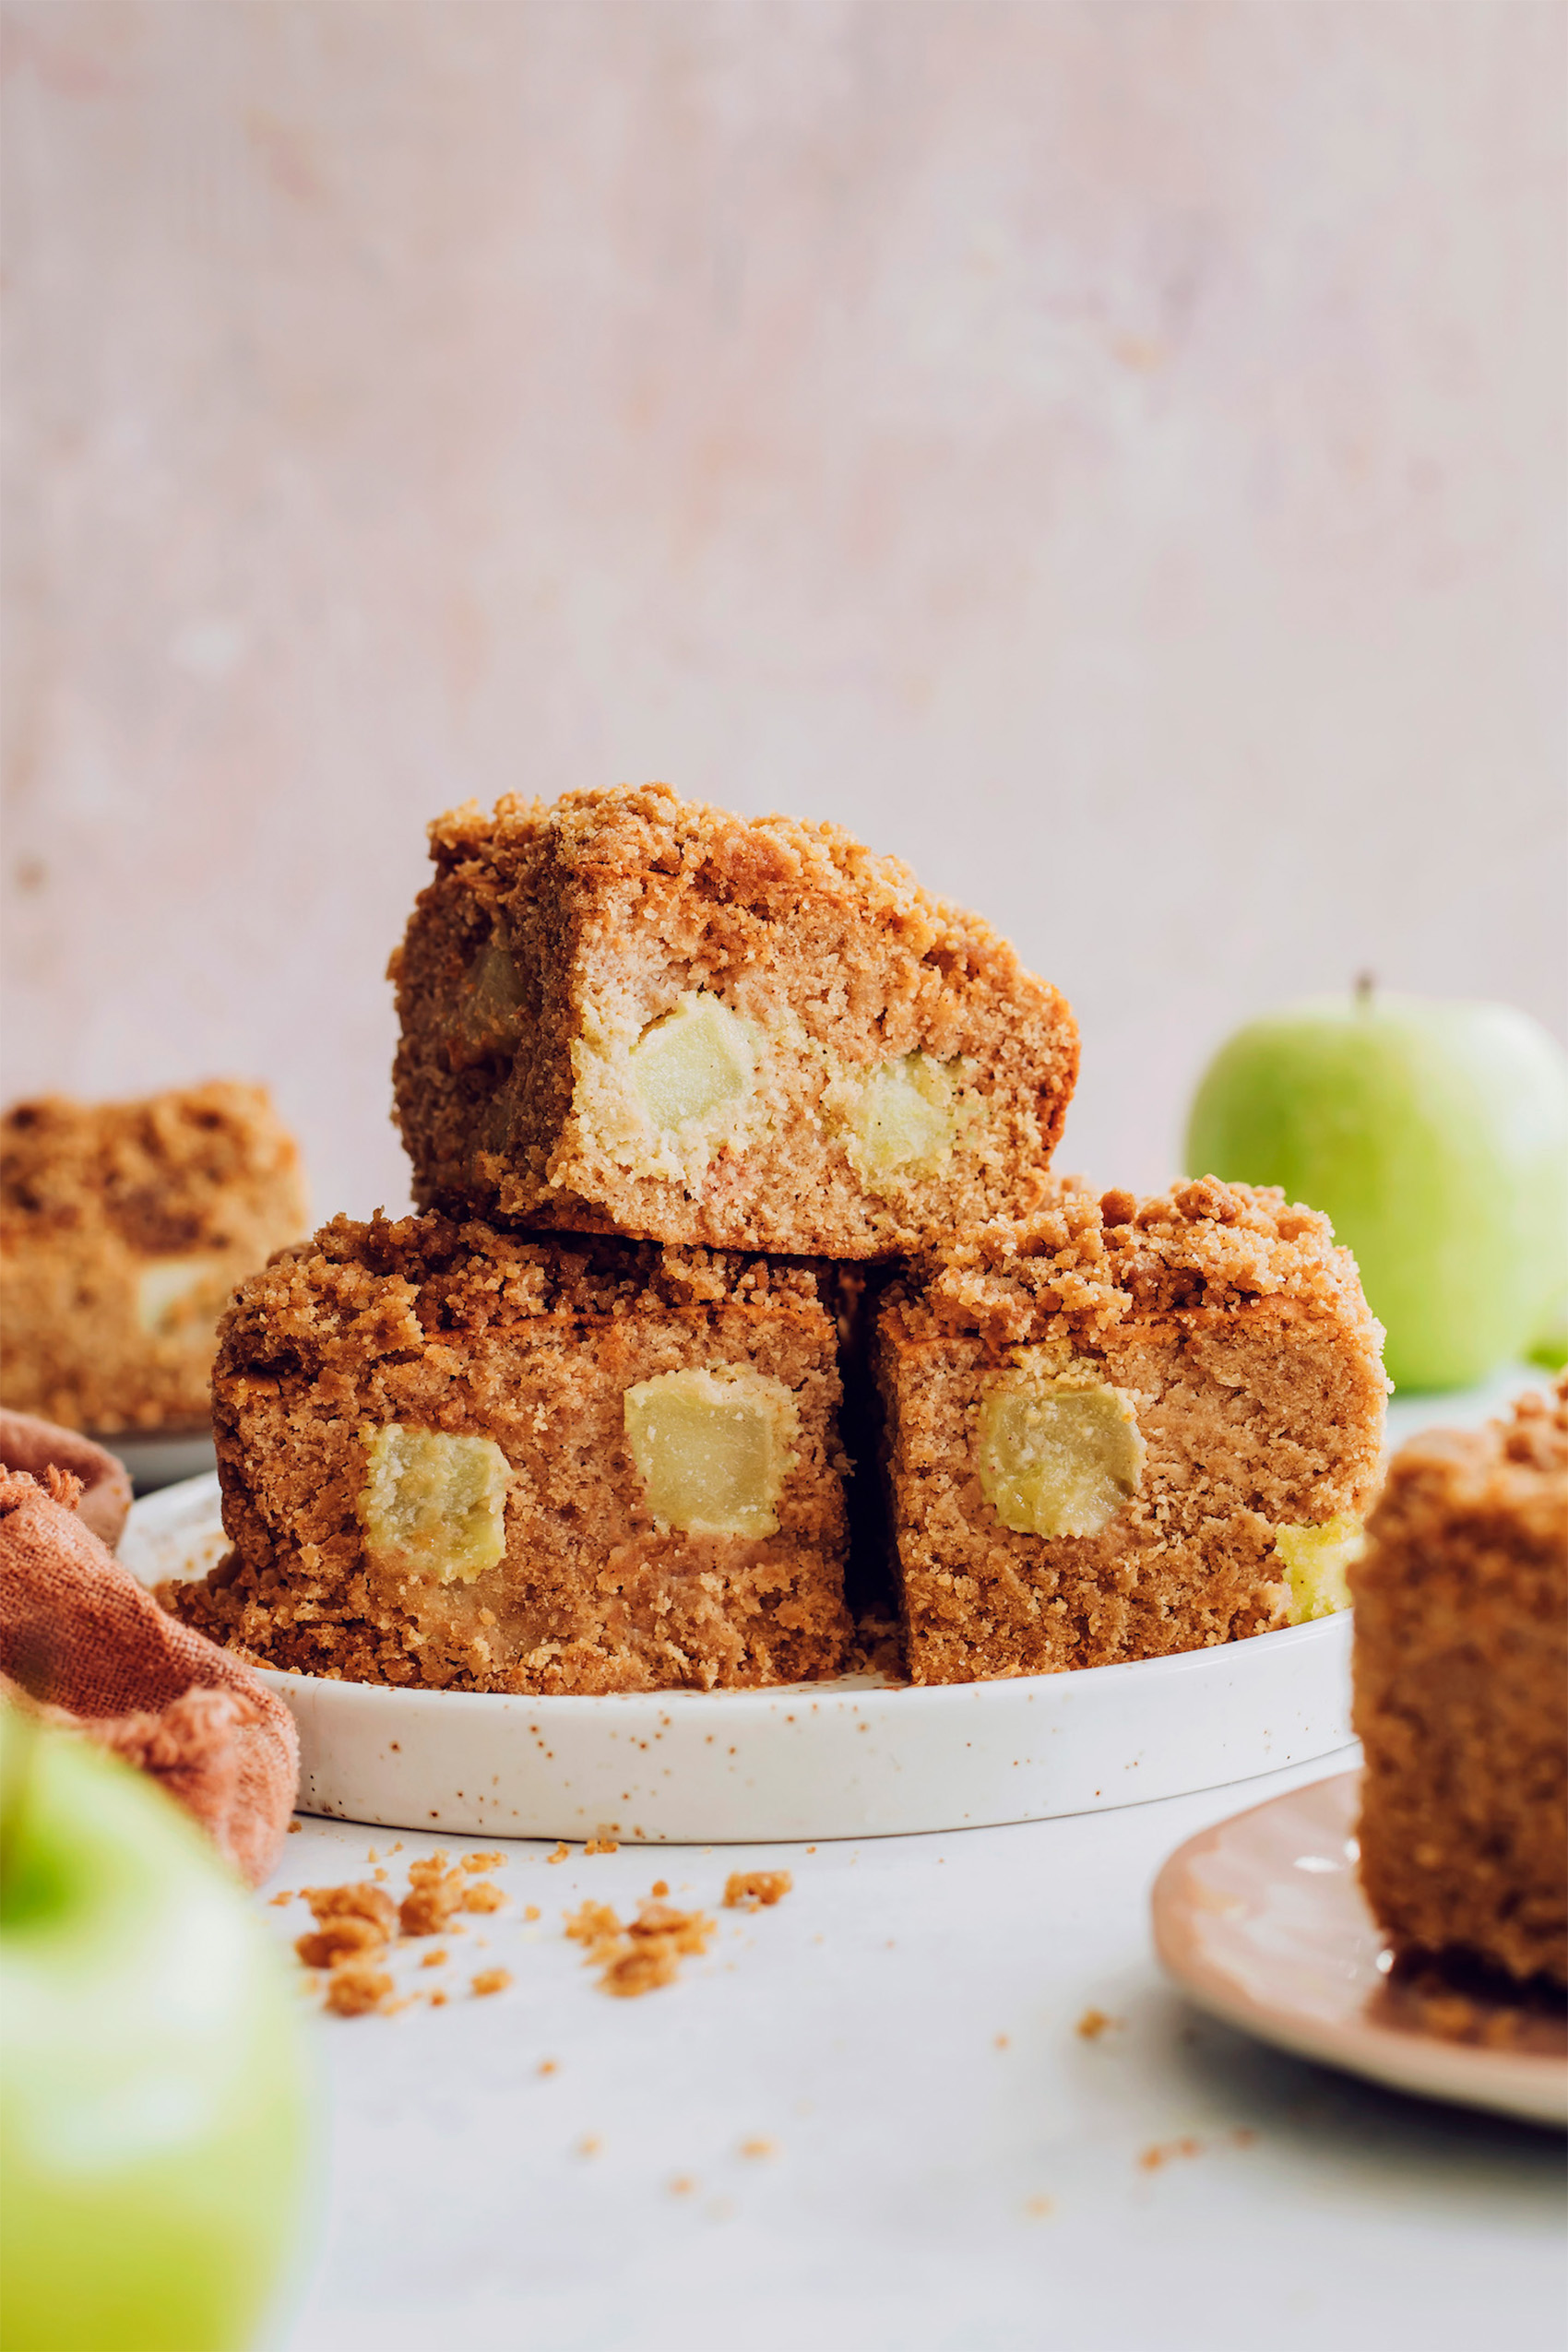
1435, 1137
152, 2095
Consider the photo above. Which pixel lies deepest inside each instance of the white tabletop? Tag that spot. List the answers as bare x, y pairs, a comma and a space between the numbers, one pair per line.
940, 2160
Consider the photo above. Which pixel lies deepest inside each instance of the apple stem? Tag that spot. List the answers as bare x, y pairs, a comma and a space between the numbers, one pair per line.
1366, 988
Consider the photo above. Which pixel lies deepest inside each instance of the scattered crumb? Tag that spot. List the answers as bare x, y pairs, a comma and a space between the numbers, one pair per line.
532, 1911
372, 1856
562, 1854
645, 1952
435, 1893
1243, 2137
477, 1863
361, 1902
682, 2185
338, 1941
483, 1896
547, 2066
492, 1980
438, 2001
286, 1896
295, 1827
1094, 2022
661, 1887
756, 1889
1001, 2041
380, 1873
1038, 2207
434, 1960
638, 1970
357, 1987
595, 1925
601, 1846
760, 2147
589, 2146
1164, 2152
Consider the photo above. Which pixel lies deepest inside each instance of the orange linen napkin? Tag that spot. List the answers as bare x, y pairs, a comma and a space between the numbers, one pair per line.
28, 1443
76, 1631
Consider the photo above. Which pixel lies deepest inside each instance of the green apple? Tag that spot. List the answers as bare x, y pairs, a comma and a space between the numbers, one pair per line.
152, 2093
1435, 1137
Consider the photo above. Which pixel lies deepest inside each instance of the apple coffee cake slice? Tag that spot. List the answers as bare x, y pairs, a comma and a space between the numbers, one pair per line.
1461, 1694
475, 1461
123, 1226
1118, 1429
622, 1013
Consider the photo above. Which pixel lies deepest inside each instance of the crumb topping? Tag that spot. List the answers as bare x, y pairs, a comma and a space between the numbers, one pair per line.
1080, 1266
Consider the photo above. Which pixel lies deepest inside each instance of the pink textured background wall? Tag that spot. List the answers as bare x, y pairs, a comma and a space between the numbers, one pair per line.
1109, 451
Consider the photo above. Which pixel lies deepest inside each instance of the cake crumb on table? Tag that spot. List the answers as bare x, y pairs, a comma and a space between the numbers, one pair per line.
492, 1980
1095, 2022
483, 1896
644, 1953
354, 1988
438, 2001
682, 2185
562, 1854
338, 1941
295, 1827
531, 1912
601, 1846
435, 1893
482, 1862
548, 2066
353, 1902
1162, 2153
759, 2146
661, 1887
756, 1889
286, 1896
434, 1960
589, 2145
1038, 2207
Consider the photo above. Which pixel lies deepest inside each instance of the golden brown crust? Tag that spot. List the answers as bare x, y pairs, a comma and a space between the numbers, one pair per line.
610, 908
1078, 1265
1240, 1339
532, 1344
1461, 1694
123, 1227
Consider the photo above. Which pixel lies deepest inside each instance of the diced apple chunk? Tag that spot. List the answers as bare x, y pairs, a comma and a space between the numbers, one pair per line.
1315, 1561
713, 1448
1057, 1457
693, 1062
169, 1295
435, 1505
492, 1006
904, 1124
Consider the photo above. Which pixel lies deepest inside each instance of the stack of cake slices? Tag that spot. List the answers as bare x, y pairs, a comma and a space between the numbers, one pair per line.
738, 1239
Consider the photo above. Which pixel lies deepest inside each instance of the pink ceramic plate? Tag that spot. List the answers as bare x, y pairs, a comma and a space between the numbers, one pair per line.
1261, 1922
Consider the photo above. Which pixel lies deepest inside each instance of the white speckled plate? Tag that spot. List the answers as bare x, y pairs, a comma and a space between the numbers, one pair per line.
1261, 1922
851, 1758
161, 1459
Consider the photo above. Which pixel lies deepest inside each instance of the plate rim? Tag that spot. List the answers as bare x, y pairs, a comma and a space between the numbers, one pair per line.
1531, 2086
